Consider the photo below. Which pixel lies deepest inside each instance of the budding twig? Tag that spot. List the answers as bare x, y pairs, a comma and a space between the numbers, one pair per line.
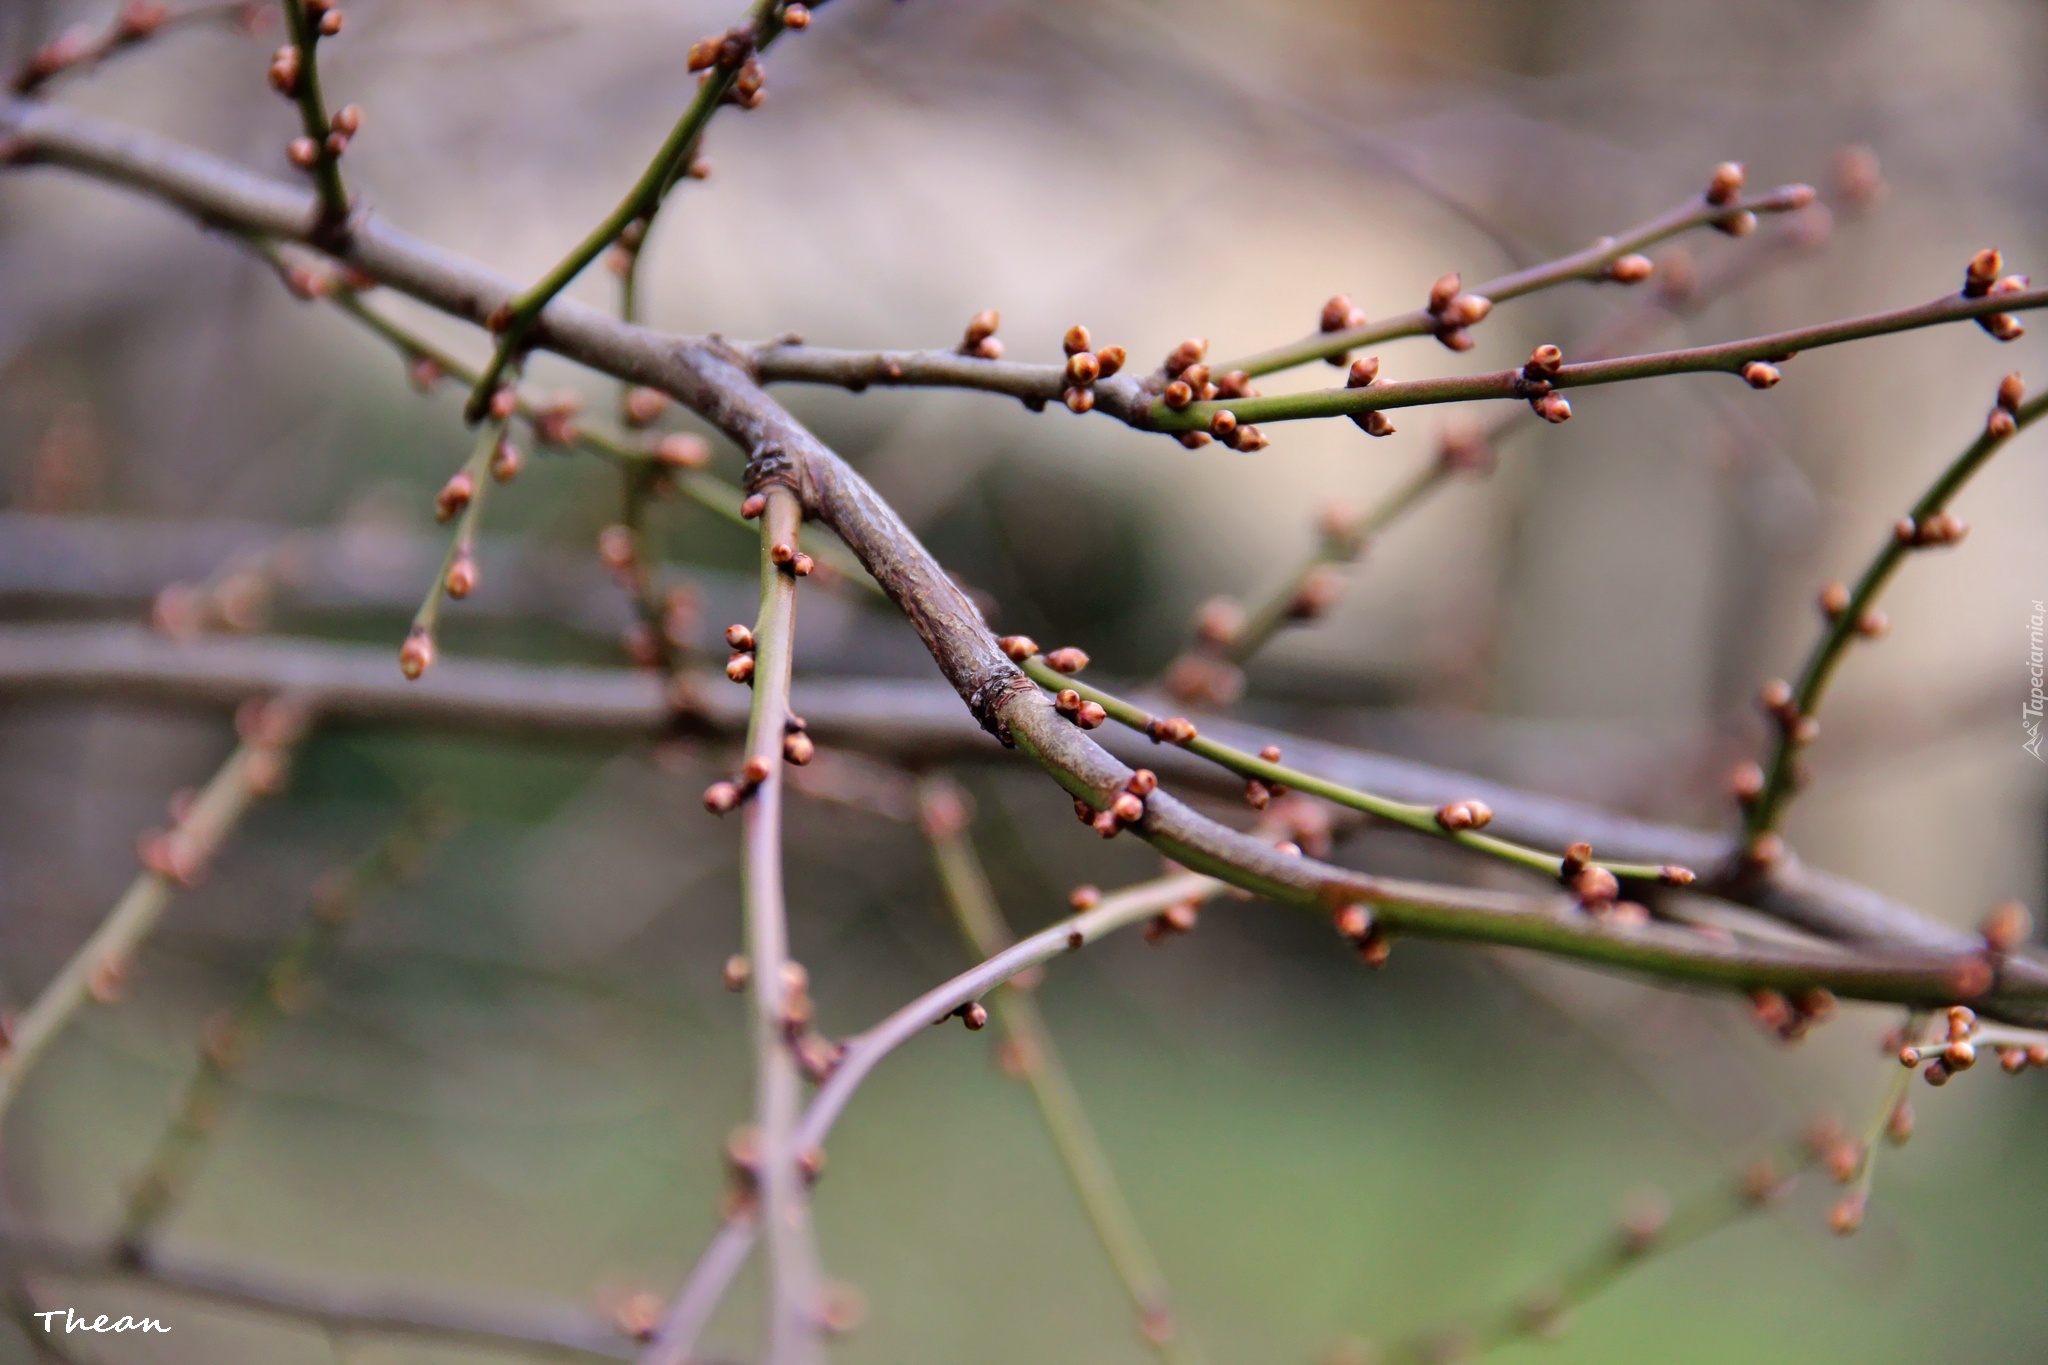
1029, 1047
461, 500
728, 68
1595, 262
1458, 822
1855, 614
232, 1036
296, 75
81, 48
171, 860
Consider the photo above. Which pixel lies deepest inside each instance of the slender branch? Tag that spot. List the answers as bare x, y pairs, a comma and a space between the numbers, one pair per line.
777, 990
82, 48
463, 499
675, 1341
319, 149
1444, 822
1592, 263
1646, 1234
730, 57
175, 859
1728, 357
943, 815
232, 1038
1850, 616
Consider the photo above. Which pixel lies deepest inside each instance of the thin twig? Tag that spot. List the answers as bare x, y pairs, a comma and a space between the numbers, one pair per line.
321, 134
79, 49
232, 1038
1851, 618
792, 1259
172, 860
1030, 1049
675, 1341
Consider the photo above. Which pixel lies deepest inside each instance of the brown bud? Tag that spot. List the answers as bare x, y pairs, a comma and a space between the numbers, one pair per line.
303, 152
781, 554
2000, 424
799, 748
1552, 407
1143, 783
755, 770
1318, 592
754, 506
1455, 338
1127, 808
1178, 395
1633, 268
1362, 372
1354, 922
1983, 271
1076, 340
1249, 439
1187, 353
1223, 424
1193, 440
796, 15
740, 668
1760, 374
2012, 1060
1018, 647
1834, 600
1467, 310
2003, 326
980, 328
1079, 400
802, 565
1671, 874
1847, 1214
1090, 715
721, 797
1442, 292
347, 120
739, 970
2007, 927
1873, 625
1083, 367
1107, 825
1736, 224
1464, 815
284, 71
1257, 794
1543, 362
2012, 391
1725, 184
1068, 660
461, 580
504, 402
416, 655
1373, 423
1336, 316
1596, 886
1960, 1055
330, 23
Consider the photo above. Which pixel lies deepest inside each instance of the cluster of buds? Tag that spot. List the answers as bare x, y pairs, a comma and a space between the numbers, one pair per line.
1127, 807
1790, 1014
1459, 816
1597, 890
1456, 311
1844, 1158
1361, 376
797, 745
791, 560
1188, 381
2016, 1050
732, 54
1836, 599
1172, 922
77, 46
740, 667
725, 796
1340, 315
1260, 793
1357, 927
1936, 529
2004, 418
1982, 278
1723, 188
980, 340
1085, 365
1086, 714
1537, 383
1779, 704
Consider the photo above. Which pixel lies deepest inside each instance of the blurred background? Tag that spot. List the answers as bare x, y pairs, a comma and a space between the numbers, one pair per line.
520, 1066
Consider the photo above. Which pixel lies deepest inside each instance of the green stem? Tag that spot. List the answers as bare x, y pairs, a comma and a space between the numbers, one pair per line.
1728, 357
1421, 819
1588, 264
674, 157
1828, 651
326, 169
973, 903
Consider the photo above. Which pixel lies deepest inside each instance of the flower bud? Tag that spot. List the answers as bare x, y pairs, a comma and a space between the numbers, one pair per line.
1633, 268
682, 450
461, 580
1110, 359
722, 797
1068, 660
754, 506
1083, 368
1373, 423
1442, 292
347, 120
1178, 395
1018, 647
1982, 272
1362, 372
416, 656
1080, 400
454, 495
740, 668
1725, 183
303, 152
1760, 374
798, 748
1076, 341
